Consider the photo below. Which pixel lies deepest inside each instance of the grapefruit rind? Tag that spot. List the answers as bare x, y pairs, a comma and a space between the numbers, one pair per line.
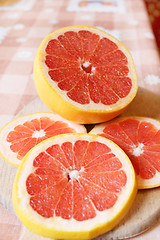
11, 157
58, 102
57, 227
141, 183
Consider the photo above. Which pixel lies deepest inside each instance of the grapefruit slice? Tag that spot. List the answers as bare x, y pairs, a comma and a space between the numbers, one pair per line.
139, 137
74, 186
21, 134
84, 74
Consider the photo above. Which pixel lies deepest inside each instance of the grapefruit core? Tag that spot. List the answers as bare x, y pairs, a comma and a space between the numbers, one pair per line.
139, 137
21, 134
74, 186
84, 74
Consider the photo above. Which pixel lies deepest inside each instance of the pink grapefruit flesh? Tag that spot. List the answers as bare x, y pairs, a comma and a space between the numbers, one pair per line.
88, 67
30, 133
55, 194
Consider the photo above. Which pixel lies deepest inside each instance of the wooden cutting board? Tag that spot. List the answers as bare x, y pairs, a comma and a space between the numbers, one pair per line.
145, 211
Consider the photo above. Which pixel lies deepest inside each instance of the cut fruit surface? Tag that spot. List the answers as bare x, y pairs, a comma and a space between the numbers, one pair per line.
84, 74
139, 137
74, 186
23, 133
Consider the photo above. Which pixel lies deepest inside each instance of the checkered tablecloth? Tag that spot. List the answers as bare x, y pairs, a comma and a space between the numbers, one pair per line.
23, 25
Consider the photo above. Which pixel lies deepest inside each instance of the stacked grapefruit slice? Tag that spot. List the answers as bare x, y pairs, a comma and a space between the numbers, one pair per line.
24, 132
74, 186
139, 137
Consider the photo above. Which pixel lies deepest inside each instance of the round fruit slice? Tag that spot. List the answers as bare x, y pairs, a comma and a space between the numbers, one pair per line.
84, 74
139, 137
74, 186
23, 133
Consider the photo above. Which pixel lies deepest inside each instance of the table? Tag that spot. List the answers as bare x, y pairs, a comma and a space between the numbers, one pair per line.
25, 23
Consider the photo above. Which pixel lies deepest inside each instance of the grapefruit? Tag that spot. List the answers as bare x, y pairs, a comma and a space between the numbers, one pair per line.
21, 134
139, 137
84, 74
73, 186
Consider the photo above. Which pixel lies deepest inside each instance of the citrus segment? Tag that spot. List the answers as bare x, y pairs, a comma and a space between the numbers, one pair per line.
87, 72
80, 190
23, 133
139, 137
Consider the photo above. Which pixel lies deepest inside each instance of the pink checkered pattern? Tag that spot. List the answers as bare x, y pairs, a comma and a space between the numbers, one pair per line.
22, 30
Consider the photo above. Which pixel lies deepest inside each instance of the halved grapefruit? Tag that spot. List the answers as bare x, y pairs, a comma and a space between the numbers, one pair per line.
74, 186
139, 137
84, 74
21, 134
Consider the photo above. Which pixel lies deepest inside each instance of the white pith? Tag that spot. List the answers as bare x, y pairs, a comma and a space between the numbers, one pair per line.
74, 174
142, 183
57, 222
137, 151
87, 64
5, 150
148, 183
91, 106
38, 134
